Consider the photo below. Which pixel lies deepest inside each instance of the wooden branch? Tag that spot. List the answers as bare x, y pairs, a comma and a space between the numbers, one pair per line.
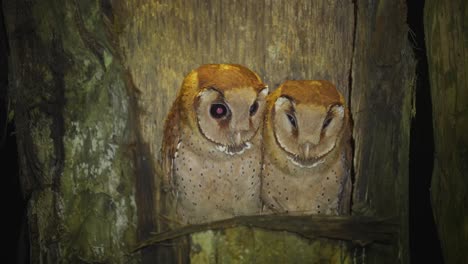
359, 229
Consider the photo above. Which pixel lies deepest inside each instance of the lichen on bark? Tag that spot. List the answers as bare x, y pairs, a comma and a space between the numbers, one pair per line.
72, 116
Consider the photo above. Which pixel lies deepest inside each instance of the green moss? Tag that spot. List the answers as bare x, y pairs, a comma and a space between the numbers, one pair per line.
203, 247
236, 245
247, 245
42, 210
108, 58
43, 145
102, 216
44, 15
98, 208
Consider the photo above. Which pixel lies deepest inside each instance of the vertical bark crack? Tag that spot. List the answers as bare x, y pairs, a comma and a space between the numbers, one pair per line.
58, 65
350, 89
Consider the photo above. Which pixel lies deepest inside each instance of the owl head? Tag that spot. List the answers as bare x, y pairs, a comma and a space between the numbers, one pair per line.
306, 120
225, 104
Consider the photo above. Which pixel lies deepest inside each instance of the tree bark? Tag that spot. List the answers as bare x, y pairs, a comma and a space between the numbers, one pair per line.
93, 82
381, 103
445, 26
76, 142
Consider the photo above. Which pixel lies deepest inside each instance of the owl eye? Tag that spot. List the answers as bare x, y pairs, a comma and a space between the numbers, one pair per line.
218, 110
292, 120
326, 122
253, 108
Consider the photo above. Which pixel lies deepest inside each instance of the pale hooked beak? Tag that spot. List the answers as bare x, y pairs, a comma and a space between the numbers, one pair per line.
238, 138
306, 150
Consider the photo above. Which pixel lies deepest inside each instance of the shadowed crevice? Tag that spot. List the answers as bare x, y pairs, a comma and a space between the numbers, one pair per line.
16, 237
350, 90
424, 242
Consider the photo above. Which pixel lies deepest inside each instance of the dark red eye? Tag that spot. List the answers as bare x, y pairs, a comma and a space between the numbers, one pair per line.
218, 110
326, 122
253, 108
292, 120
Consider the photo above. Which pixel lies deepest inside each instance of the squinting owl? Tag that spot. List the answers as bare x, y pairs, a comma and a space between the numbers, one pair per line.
212, 144
307, 150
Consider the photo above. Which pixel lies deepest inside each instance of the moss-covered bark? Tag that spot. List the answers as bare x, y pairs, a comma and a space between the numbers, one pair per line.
94, 80
73, 133
231, 246
446, 29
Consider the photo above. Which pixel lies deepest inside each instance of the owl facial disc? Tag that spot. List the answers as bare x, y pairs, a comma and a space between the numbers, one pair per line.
307, 133
230, 118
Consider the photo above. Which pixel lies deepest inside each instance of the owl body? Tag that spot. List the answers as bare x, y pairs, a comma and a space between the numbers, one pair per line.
212, 184
212, 146
306, 150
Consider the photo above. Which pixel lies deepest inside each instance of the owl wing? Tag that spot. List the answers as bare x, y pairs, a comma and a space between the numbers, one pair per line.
344, 204
271, 204
169, 146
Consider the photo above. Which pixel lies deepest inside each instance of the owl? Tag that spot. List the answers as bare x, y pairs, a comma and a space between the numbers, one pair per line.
306, 150
211, 153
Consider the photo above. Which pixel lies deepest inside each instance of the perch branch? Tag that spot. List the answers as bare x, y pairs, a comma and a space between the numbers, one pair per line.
359, 229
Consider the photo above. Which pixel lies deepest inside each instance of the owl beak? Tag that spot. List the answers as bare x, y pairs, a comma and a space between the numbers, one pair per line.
238, 138
306, 150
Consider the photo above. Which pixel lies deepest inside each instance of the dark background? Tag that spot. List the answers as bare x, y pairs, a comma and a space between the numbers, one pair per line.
424, 243
13, 206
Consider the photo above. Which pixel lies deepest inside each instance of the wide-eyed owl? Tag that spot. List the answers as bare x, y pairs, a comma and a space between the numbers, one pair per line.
307, 150
212, 144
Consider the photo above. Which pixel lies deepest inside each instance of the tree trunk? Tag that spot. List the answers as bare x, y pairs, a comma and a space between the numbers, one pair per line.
445, 26
93, 82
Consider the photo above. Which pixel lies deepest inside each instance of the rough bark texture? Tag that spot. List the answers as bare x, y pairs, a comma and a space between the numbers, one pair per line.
446, 29
381, 101
93, 82
74, 134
